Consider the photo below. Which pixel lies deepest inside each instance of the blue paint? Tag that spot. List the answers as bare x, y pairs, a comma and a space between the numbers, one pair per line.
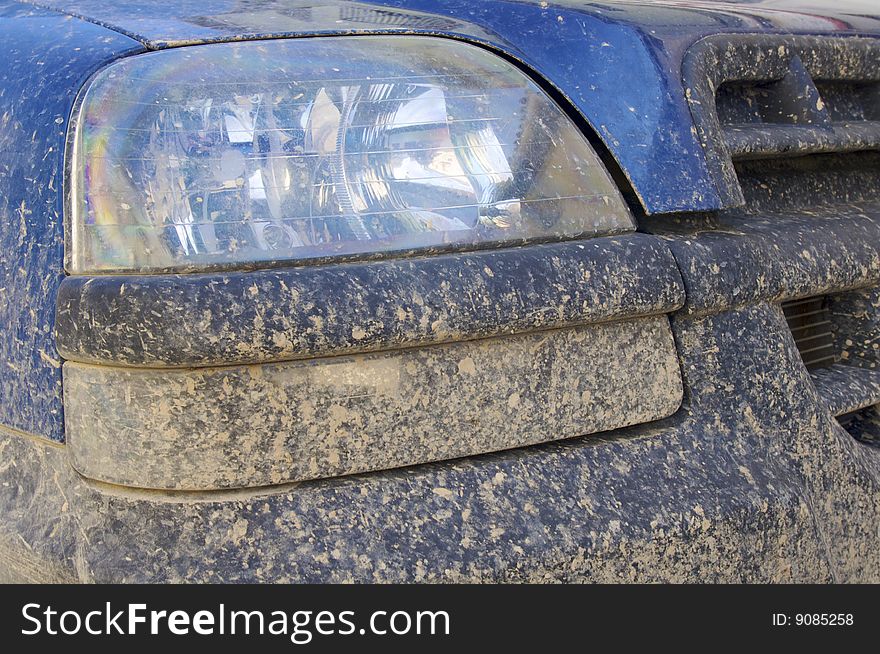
46, 58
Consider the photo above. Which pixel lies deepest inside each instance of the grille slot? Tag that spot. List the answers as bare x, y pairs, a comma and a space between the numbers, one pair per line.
810, 323
863, 425
848, 420
850, 101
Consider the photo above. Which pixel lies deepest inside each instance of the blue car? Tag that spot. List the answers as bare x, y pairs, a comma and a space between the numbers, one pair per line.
440, 291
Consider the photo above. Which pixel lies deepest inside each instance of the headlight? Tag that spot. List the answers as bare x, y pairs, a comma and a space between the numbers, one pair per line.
226, 154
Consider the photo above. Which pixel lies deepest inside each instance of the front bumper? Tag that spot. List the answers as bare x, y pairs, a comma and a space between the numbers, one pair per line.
752, 480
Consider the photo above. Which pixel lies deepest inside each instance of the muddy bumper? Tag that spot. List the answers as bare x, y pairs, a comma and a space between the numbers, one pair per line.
751, 480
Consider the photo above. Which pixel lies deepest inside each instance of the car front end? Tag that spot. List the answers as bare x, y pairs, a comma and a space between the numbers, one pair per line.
435, 291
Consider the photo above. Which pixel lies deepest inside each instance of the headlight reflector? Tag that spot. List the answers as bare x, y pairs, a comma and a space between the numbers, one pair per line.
265, 151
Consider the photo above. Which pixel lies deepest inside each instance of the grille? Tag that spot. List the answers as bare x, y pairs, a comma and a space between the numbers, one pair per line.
810, 323
767, 97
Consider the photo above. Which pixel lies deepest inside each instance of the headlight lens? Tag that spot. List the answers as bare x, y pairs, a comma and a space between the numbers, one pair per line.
231, 153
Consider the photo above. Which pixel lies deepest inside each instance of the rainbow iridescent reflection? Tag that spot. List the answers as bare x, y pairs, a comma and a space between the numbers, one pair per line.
267, 151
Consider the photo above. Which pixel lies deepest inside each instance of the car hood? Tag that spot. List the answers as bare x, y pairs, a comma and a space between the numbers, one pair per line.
618, 62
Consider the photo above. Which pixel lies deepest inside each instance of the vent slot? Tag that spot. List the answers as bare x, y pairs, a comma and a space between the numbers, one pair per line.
850, 101
791, 100
863, 425
761, 103
810, 323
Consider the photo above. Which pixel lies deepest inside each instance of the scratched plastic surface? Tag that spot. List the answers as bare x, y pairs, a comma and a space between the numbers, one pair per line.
242, 152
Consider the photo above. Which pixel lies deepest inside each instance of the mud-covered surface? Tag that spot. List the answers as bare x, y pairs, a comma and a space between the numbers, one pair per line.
751, 481
846, 388
258, 425
289, 313
741, 258
45, 57
809, 183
